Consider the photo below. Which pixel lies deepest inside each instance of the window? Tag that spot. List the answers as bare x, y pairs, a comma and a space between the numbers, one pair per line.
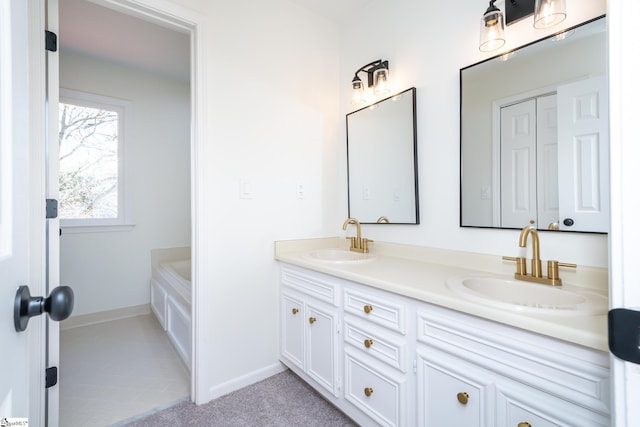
91, 168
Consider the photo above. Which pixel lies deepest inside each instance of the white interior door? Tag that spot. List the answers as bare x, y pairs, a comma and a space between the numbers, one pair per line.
624, 268
547, 160
21, 207
52, 224
518, 164
583, 155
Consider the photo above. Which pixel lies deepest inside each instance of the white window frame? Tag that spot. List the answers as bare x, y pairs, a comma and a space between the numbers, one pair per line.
124, 220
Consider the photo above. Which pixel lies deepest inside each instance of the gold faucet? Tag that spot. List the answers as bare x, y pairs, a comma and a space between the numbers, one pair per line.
358, 243
382, 219
536, 264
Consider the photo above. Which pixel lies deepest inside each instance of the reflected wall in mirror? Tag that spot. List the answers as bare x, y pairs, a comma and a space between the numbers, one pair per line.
382, 163
534, 137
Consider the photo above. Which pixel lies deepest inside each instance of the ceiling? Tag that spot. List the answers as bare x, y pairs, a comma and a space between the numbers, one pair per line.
89, 29
99, 32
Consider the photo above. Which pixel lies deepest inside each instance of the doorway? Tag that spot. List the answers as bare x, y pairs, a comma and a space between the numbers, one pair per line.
109, 266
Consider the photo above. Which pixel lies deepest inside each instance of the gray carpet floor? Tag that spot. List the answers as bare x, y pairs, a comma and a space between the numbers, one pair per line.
282, 400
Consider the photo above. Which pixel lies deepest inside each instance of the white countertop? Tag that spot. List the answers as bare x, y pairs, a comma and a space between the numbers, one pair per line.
421, 273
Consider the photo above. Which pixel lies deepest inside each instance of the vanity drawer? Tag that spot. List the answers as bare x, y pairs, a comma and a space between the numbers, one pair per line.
311, 284
376, 308
376, 342
375, 391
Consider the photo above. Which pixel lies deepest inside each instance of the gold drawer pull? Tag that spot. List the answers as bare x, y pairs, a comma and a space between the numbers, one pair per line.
294, 311
312, 320
368, 308
463, 398
525, 424
368, 391
368, 342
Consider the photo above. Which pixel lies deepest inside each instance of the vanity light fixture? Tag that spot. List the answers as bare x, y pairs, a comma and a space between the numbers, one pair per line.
491, 29
547, 13
377, 77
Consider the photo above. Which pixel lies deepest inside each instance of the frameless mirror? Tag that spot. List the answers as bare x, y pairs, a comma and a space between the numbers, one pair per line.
534, 137
382, 163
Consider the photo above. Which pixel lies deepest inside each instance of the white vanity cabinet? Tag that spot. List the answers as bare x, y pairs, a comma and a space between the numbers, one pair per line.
386, 359
310, 327
480, 373
375, 357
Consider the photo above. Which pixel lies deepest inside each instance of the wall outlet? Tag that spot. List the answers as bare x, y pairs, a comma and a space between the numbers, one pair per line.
300, 191
245, 189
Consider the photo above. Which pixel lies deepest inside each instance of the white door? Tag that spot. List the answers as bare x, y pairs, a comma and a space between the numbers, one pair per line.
53, 224
624, 265
547, 160
21, 208
583, 155
518, 164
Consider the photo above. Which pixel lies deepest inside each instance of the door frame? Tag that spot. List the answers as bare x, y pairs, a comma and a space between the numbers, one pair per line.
168, 15
624, 269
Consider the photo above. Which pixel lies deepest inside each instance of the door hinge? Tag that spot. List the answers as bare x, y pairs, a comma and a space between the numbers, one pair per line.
51, 209
51, 376
624, 334
50, 41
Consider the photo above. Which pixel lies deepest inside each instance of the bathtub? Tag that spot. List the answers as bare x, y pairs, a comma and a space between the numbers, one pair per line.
171, 303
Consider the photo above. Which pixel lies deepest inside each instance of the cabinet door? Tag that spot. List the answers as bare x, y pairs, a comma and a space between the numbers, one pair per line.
321, 346
521, 406
292, 335
452, 392
376, 389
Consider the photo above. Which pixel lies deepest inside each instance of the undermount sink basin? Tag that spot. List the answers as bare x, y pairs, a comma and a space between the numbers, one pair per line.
338, 256
527, 297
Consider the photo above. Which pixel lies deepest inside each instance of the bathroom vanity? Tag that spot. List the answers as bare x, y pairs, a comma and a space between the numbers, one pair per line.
385, 339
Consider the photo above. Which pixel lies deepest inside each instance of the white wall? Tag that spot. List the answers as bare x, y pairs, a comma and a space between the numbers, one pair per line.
112, 270
426, 46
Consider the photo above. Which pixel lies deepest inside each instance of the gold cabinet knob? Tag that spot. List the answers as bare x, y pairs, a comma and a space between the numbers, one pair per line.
525, 424
368, 342
312, 320
368, 308
294, 311
368, 391
463, 398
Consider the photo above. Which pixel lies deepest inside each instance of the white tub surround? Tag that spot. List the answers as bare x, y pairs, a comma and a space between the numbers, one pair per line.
370, 335
421, 273
171, 297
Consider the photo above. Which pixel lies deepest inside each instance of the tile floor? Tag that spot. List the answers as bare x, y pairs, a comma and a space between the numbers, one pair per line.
116, 370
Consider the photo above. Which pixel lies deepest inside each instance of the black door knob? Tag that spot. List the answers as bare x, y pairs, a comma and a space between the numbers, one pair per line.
59, 305
568, 222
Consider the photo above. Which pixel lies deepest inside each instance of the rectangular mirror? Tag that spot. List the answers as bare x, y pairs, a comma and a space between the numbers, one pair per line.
382, 162
534, 137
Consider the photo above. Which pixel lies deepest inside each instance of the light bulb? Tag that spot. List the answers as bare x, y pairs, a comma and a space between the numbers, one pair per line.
381, 82
549, 13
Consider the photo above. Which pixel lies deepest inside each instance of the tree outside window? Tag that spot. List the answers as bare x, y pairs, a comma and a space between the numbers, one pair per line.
91, 173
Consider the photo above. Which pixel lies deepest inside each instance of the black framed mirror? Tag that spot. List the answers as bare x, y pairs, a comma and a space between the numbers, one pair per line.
534, 135
382, 161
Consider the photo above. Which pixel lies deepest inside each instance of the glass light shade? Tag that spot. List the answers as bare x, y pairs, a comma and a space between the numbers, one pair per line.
357, 97
381, 82
491, 31
549, 13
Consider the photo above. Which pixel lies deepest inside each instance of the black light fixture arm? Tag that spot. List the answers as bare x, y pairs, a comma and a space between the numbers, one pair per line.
370, 68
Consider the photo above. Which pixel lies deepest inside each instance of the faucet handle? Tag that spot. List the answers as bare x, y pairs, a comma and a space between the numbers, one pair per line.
552, 268
521, 264
365, 244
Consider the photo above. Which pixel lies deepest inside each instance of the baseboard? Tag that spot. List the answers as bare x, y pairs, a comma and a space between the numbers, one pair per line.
245, 380
104, 316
